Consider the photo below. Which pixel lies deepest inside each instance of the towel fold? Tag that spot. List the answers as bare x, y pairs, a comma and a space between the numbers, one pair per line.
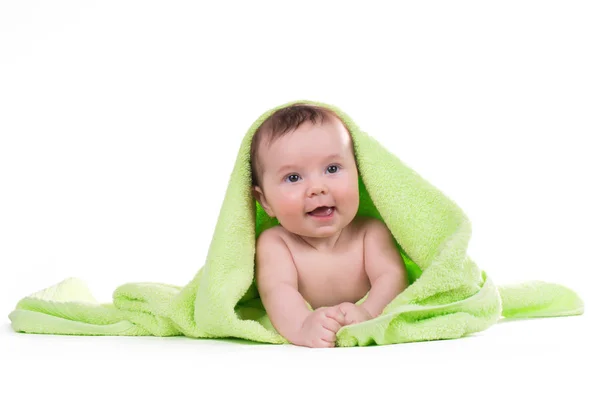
448, 295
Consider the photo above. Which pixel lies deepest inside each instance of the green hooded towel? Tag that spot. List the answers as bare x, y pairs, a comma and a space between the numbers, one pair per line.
448, 296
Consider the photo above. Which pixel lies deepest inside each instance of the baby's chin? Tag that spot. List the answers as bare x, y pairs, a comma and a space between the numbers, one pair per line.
321, 232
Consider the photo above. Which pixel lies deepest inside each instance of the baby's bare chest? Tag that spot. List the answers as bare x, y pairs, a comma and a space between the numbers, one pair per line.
331, 279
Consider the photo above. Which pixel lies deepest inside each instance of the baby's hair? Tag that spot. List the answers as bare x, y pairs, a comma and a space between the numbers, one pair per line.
280, 123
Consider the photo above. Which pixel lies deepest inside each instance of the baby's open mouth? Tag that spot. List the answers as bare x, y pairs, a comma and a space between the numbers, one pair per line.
322, 211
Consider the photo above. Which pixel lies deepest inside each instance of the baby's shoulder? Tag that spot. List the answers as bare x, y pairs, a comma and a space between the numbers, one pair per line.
270, 234
276, 234
370, 227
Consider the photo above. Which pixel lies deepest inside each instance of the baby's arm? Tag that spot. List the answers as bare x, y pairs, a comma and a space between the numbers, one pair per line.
384, 266
277, 282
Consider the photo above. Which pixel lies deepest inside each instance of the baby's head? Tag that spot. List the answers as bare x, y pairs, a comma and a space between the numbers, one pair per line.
302, 157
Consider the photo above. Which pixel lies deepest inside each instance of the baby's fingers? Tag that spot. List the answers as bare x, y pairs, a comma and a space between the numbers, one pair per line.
336, 314
324, 343
329, 336
331, 325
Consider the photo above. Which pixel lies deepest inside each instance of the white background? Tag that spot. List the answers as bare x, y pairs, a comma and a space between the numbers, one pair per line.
120, 122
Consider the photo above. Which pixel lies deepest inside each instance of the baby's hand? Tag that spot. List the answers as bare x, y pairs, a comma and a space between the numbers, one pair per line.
354, 314
320, 327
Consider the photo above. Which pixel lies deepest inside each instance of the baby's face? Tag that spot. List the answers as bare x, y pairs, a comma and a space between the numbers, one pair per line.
308, 168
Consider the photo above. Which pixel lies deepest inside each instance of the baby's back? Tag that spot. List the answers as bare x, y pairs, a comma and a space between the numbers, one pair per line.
329, 278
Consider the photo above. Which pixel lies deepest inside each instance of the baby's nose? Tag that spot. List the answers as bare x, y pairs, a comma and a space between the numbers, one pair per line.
317, 189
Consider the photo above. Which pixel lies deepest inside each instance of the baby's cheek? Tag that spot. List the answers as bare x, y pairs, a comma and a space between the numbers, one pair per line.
349, 194
291, 204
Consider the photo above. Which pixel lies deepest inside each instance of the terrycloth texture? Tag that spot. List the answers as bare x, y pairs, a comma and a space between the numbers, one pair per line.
448, 297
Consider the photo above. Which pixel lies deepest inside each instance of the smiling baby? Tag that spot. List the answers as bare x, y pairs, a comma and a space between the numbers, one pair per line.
322, 253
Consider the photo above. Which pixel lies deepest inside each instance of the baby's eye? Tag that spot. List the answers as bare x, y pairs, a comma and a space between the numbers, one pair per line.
333, 169
291, 176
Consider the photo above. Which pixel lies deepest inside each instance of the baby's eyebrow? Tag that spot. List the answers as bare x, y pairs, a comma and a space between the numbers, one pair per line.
329, 157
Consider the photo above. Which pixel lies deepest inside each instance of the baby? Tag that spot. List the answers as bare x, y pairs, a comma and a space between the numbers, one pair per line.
322, 254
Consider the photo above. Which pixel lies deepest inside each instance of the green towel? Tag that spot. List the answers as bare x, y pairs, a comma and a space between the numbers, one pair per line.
448, 296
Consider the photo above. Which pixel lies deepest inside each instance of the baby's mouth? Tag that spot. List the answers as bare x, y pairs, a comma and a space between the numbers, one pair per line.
322, 211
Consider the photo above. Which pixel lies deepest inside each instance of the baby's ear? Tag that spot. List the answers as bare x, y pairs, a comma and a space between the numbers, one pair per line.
256, 193
260, 197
